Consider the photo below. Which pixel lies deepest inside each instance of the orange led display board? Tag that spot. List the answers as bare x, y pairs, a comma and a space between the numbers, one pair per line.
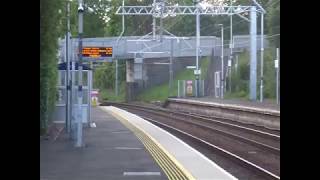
97, 52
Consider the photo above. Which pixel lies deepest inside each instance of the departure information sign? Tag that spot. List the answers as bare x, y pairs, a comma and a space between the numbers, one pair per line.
97, 52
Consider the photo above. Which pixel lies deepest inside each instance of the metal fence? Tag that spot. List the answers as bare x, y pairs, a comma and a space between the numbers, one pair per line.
59, 115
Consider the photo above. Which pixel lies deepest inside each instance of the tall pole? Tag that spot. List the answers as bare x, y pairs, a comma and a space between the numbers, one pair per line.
231, 48
170, 67
116, 78
261, 61
222, 63
236, 65
277, 69
80, 92
117, 73
253, 53
154, 28
68, 83
153, 23
161, 19
197, 51
72, 93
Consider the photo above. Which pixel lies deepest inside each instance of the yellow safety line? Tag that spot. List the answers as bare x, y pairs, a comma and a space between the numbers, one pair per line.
174, 169
155, 156
179, 166
171, 163
163, 165
177, 172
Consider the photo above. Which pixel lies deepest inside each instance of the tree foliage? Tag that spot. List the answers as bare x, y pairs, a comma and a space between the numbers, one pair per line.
50, 28
273, 21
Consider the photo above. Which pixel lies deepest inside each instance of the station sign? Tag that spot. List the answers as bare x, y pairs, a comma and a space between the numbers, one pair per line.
97, 52
189, 88
197, 72
276, 63
229, 63
191, 67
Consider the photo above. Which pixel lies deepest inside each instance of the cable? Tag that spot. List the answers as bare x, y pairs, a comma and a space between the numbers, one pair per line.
245, 42
176, 20
273, 3
211, 25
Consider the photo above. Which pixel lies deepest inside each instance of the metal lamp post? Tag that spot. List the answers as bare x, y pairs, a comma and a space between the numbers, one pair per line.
231, 50
197, 47
222, 63
68, 83
80, 92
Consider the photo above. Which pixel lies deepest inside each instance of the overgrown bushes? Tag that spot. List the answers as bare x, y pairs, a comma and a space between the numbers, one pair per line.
49, 32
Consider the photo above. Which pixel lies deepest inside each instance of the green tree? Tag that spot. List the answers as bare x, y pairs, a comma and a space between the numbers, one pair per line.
50, 29
273, 21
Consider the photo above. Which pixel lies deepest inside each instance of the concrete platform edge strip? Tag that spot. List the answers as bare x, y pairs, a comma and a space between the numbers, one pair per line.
229, 106
165, 160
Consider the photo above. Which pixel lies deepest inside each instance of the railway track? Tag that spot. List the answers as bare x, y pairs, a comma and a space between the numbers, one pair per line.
265, 118
253, 127
256, 149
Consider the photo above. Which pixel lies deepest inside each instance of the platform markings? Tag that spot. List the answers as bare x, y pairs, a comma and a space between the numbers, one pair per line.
127, 148
121, 132
141, 173
172, 168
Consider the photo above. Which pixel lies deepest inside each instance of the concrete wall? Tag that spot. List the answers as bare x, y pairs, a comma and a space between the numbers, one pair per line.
154, 74
159, 74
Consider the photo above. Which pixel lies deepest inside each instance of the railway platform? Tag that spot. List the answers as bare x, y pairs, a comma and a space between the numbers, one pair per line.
111, 152
265, 106
259, 114
124, 146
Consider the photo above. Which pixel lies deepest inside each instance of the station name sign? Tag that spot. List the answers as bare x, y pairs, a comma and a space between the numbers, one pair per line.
97, 52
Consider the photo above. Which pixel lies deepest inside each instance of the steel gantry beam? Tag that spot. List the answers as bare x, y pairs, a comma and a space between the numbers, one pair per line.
181, 10
160, 10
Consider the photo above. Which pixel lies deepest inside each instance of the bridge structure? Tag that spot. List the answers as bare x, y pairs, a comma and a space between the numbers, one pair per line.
140, 50
130, 47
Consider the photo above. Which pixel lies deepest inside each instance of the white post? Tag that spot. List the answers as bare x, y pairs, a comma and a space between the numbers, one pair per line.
171, 67
153, 24
202, 87
89, 80
222, 64
197, 51
277, 63
80, 90
236, 64
253, 53
184, 88
178, 88
261, 61
231, 46
117, 83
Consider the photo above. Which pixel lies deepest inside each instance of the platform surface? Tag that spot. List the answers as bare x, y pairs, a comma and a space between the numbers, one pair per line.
191, 161
264, 106
112, 152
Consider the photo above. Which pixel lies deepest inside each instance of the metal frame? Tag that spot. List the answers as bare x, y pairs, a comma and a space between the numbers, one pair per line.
62, 76
181, 10
162, 11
